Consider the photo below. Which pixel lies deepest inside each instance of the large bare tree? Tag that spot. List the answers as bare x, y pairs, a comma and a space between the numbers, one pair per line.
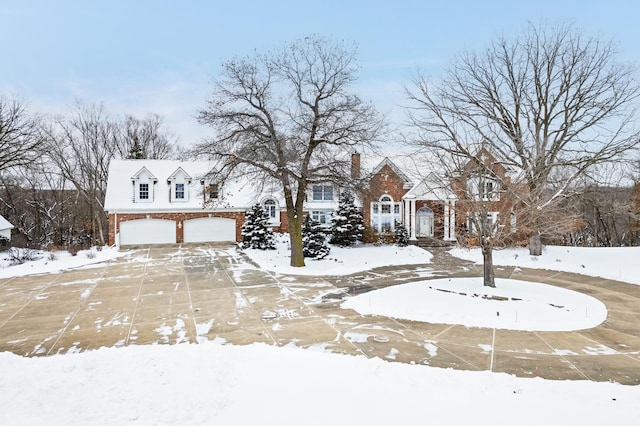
20, 141
551, 103
291, 117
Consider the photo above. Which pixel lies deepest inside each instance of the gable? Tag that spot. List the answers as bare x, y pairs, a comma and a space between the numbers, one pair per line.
5, 224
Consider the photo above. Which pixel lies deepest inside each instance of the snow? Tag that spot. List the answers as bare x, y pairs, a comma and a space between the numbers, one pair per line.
340, 261
465, 301
214, 383
227, 385
615, 263
57, 261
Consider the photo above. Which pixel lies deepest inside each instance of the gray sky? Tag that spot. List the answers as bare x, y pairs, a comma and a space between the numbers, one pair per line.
146, 56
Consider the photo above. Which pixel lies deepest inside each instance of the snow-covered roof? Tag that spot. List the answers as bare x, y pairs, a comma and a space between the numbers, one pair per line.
431, 187
5, 224
120, 197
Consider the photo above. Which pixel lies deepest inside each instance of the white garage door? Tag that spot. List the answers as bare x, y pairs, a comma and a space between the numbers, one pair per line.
147, 231
209, 229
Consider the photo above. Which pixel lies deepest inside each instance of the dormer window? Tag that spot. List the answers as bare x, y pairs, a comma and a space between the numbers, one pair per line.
143, 186
178, 183
213, 191
179, 191
143, 191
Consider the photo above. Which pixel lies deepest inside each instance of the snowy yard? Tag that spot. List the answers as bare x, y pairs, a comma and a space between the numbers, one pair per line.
213, 383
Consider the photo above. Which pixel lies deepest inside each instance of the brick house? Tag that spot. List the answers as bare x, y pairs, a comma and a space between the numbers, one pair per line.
169, 202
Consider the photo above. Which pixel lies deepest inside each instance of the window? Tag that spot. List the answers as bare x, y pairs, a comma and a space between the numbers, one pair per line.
179, 191
321, 216
385, 213
213, 191
270, 207
322, 192
143, 192
484, 188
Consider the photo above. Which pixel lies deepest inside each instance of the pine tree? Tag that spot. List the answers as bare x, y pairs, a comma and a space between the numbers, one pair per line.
256, 233
314, 243
136, 152
402, 236
347, 224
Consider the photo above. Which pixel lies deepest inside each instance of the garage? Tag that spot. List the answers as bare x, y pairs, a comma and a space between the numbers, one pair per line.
147, 231
209, 229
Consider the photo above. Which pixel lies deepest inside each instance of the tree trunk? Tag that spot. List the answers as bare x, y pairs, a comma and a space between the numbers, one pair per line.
535, 245
295, 239
487, 257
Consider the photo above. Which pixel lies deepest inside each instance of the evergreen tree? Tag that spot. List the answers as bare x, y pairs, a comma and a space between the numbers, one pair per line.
402, 236
256, 233
136, 152
314, 243
347, 224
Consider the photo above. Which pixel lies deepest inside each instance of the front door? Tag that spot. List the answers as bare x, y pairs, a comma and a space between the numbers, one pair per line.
425, 222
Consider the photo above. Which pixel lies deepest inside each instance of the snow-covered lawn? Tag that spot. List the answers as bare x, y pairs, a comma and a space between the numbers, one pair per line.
211, 383
340, 261
56, 261
512, 305
616, 263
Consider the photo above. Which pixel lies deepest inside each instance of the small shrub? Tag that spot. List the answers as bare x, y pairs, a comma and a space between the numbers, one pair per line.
91, 254
99, 248
52, 256
18, 256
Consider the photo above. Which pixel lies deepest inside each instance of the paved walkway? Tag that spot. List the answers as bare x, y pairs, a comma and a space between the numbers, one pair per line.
196, 294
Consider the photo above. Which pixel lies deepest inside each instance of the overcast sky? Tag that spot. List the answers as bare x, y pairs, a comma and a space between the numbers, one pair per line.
154, 56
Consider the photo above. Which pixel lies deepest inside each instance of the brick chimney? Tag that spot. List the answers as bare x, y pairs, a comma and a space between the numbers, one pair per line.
355, 165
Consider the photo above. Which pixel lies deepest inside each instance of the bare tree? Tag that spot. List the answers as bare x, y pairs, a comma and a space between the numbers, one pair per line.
20, 142
144, 138
289, 117
81, 145
551, 103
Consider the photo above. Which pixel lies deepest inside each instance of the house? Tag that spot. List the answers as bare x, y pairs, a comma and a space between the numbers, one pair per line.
169, 202
5, 229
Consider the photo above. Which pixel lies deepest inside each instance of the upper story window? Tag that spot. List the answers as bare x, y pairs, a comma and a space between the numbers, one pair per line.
179, 191
322, 192
143, 186
484, 188
213, 191
143, 191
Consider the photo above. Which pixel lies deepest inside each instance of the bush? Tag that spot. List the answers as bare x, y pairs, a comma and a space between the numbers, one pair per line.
401, 234
18, 256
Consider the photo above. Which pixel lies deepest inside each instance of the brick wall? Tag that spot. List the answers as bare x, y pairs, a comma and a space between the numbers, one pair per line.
386, 181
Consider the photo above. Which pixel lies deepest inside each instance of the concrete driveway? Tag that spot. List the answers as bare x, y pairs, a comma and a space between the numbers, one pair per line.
200, 293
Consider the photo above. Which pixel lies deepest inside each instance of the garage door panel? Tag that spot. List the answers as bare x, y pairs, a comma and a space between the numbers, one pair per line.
209, 229
147, 231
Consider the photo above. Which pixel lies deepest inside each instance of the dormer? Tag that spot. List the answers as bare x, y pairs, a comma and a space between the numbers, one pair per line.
211, 187
179, 182
143, 183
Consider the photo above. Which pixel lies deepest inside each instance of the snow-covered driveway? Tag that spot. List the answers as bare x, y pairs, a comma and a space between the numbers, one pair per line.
196, 294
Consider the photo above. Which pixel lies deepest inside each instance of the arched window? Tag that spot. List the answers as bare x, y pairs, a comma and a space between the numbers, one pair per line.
385, 213
270, 206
